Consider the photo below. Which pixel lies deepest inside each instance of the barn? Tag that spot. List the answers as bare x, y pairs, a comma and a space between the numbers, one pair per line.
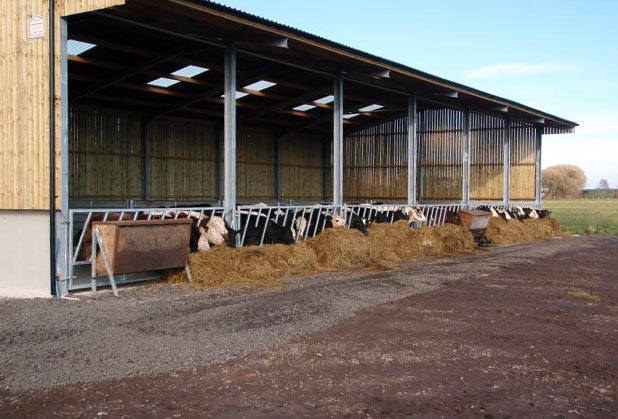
133, 105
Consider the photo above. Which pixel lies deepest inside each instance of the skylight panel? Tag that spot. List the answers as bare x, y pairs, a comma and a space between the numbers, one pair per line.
190, 71
239, 95
304, 107
78, 47
371, 108
163, 82
350, 115
260, 85
325, 100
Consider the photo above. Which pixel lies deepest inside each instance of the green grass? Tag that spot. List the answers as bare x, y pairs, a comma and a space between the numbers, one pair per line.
585, 216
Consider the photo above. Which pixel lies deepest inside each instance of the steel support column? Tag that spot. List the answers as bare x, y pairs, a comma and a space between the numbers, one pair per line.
506, 192
412, 149
338, 143
229, 136
465, 191
538, 171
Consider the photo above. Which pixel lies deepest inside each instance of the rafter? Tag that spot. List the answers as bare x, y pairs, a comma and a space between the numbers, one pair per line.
128, 73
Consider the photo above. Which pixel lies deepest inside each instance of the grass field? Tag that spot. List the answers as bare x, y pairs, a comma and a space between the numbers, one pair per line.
586, 216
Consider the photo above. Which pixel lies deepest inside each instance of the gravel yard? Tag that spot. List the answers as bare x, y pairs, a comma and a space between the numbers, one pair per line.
162, 339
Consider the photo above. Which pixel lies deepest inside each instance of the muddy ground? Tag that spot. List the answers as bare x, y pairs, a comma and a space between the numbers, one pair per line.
518, 331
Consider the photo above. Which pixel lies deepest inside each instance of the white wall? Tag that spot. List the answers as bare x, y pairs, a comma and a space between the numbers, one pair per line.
24, 254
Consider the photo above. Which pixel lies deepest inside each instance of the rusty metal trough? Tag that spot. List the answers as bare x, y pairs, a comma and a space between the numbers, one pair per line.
139, 246
476, 221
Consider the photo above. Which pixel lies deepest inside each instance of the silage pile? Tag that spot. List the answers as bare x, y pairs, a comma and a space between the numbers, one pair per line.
333, 249
500, 231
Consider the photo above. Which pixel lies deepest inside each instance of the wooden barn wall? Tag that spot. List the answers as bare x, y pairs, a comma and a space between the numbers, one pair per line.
375, 162
302, 170
440, 135
182, 161
255, 165
24, 101
523, 161
486, 157
72, 7
106, 160
105, 155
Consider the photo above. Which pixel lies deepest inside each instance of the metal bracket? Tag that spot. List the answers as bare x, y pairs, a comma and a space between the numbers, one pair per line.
97, 240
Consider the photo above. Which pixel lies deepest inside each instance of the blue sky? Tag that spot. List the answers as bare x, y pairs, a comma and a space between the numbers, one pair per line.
560, 56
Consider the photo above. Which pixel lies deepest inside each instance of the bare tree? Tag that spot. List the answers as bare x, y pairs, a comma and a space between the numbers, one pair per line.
563, 181
603, 184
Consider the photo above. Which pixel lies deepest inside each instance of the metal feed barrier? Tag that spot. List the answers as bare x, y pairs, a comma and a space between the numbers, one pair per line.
80, 221
79, 224
282, 214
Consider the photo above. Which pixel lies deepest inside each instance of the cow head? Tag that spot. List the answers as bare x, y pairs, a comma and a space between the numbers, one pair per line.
338, 221
300, 225
202, 243
216, 231
414, 214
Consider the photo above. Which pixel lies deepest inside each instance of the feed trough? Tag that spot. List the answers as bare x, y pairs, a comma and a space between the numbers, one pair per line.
476, 221
139, 246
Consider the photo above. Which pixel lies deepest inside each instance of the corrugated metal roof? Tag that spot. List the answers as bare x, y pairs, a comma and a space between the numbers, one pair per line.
299, 32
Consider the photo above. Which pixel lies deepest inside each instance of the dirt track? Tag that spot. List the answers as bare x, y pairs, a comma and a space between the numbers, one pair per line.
521, 331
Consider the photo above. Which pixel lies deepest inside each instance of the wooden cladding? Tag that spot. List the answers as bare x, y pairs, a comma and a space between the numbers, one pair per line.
182, 161
375, 162
107, 149
523, 161
24, 100
441, 135
302, 170
105, 155
486, 157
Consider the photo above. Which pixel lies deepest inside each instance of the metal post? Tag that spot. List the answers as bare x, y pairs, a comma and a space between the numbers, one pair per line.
229, 137
465, 194
539, 172
412, 149
507, 163
338, 143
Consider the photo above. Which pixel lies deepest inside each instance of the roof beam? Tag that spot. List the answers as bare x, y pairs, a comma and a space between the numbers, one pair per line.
287, 104
215, 91
128, 73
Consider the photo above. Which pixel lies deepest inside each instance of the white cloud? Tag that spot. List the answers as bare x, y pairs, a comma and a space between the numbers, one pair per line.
519, 69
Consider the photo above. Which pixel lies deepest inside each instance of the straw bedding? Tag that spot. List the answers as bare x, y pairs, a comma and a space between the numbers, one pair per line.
333, 249
340, 249
500, 231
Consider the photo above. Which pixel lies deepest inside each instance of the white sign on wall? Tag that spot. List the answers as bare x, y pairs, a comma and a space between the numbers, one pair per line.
36, 27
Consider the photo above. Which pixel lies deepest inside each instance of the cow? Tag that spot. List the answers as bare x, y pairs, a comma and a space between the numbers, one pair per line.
451, 217
256, 225
355, 221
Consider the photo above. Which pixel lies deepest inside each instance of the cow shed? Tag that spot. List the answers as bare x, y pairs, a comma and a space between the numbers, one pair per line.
127, 104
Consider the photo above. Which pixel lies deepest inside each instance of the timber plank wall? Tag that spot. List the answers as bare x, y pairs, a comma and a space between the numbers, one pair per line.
24, 100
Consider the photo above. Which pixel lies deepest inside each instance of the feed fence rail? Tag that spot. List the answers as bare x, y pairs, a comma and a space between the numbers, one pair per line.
80, 223
257, 216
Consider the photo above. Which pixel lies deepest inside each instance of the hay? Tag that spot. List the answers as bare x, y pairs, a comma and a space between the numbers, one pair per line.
250, 266
340, 248
333, 249
396, 241
500, 231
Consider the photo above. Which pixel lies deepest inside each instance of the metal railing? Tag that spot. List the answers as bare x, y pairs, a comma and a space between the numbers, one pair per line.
297, 217
80, 223
303, 220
